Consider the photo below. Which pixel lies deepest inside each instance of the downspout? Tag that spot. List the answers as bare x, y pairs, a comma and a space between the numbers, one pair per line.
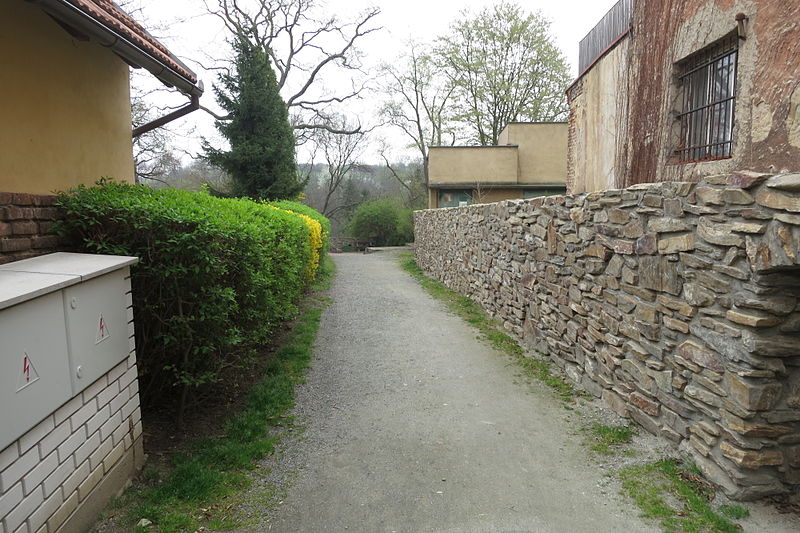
193, 105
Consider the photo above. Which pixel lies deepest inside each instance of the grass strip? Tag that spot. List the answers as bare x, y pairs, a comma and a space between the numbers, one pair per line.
491, 331
607, 440
192, 494
674, 493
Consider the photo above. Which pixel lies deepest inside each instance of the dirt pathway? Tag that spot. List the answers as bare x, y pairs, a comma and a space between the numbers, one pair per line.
413, 425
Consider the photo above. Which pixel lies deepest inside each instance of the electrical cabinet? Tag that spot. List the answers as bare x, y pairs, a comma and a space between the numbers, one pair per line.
64, 323
34, 365
97, 327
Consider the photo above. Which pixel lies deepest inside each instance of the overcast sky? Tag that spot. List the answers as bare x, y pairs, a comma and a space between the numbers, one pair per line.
198, 39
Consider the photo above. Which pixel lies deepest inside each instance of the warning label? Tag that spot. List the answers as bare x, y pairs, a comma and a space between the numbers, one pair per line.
102, 330
28, 374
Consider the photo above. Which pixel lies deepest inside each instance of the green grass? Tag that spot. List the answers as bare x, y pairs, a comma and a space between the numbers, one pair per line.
203, 481
607, 440
492, 332
734, 511
674, 494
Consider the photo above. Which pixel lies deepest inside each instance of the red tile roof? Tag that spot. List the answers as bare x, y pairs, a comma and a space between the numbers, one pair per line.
110, 14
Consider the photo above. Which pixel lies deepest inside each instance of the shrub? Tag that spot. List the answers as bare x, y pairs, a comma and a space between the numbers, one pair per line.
382, 222
215, 275
303, 209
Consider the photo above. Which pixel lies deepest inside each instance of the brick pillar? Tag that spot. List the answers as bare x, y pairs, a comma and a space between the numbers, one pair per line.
26, 222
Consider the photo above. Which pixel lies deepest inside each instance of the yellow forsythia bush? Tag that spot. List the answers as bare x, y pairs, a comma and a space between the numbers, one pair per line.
314, 240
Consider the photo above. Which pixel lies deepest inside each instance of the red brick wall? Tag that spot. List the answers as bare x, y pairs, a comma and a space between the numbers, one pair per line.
26, 222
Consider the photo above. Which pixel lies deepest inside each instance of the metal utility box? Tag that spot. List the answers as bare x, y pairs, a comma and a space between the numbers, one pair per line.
35, 364
63, 324
97, 327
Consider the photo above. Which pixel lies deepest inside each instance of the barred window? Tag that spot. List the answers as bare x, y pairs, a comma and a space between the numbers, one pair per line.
708, 82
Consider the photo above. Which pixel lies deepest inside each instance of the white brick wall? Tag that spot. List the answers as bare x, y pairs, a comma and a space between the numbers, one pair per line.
48, 473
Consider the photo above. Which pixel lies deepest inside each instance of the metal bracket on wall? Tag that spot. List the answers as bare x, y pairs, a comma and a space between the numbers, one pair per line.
741, 26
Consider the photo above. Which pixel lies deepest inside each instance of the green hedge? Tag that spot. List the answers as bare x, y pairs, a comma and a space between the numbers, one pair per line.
311, 212
215, 275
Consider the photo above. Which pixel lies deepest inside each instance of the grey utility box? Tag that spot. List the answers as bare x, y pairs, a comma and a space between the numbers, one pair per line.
63, 324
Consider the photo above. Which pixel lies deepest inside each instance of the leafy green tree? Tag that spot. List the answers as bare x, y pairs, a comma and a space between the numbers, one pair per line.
382, 222
261, 159
504, 67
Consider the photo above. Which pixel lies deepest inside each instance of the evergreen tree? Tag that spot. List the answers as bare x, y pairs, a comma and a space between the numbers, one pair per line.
261, 159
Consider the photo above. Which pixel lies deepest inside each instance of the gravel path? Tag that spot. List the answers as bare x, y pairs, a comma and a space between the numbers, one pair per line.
414, 425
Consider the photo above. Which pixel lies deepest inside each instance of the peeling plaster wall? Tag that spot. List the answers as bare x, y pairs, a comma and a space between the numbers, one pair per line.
767, 110
675, 303
598, 105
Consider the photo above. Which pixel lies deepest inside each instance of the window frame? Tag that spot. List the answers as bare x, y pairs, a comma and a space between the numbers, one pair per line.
707, 81
463, 192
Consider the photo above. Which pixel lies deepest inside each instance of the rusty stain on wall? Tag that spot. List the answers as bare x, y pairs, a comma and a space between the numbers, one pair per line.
767, 110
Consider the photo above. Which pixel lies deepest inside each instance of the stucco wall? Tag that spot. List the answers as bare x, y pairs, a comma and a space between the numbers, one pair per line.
542, 150
472, 164
597, 123
676, 303
67, 120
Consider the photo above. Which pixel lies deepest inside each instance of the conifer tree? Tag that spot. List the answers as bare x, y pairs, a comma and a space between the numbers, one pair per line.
261, 158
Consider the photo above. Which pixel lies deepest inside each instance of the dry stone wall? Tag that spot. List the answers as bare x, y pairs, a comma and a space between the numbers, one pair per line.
677, 303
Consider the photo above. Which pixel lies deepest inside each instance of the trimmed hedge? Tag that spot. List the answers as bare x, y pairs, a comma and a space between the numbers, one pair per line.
215, 275
303, 209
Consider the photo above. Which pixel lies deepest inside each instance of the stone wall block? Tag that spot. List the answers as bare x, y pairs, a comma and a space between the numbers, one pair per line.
785, 182
746, 179
752, 394
751, 458
701, 355
720, 234
777, 199
674, 243
709, 195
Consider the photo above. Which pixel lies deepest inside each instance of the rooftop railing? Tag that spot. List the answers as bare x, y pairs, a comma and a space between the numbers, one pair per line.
611, 27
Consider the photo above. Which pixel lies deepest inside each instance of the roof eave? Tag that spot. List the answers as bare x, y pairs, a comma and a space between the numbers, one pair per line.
106, 36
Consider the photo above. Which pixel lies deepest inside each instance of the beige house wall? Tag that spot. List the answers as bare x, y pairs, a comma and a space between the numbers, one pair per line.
70, 122
542, 150
597, 116
472, 164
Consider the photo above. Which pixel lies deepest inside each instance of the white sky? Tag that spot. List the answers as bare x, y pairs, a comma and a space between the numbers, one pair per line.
198, 38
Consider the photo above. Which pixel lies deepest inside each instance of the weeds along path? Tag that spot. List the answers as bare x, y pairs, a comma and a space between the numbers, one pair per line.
414, 425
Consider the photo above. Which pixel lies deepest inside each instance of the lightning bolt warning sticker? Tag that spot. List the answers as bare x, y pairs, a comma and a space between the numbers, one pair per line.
102, 331
28, 374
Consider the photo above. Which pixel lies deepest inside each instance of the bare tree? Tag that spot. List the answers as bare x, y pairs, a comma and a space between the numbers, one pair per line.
153, 155
341, 153
302, 47
418, 100
410, 177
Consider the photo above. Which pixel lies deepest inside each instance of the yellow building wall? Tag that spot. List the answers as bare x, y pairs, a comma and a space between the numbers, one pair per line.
473, 164
67, 116
542, 150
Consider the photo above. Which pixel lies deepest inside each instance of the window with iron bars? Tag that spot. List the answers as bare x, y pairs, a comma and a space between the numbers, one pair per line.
708, 82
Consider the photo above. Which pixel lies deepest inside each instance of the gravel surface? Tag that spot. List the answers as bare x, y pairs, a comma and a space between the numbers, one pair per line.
414, 425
